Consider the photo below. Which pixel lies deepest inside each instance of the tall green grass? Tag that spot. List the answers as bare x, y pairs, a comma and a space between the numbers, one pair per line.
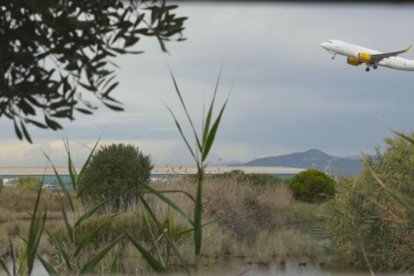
203, 144
73, 251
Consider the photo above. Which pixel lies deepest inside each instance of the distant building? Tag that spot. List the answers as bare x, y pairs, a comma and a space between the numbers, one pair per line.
48, 177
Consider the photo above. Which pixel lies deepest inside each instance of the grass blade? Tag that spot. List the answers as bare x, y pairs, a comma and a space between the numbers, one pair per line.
59, 247
89, 266
182, 135
61, 184
177, 252
87, 240
190, 196
210, 110
168, 201
156, 265
186, 111
4, 266
212, 134
402, 135
13, 256
67, 225
82, 171
88, 214
154, 240
35, 232
48, 267
153, 216
71, 166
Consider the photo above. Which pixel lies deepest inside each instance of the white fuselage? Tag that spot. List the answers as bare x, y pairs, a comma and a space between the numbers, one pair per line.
352, 50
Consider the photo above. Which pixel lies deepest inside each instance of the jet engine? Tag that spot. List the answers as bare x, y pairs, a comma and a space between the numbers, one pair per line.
363, 57
353, 61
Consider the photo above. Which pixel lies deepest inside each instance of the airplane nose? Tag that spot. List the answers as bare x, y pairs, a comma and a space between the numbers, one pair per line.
324, 45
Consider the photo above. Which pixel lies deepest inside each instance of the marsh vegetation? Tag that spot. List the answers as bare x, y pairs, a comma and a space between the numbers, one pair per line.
244, 222
248, 220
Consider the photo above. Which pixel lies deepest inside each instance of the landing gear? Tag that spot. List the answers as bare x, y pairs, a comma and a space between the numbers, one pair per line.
367, 69
375, 66
333, 56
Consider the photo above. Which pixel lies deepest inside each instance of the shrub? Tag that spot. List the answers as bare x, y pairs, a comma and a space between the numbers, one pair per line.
28, 183
366, 222
1, 184
312, 186
116, 174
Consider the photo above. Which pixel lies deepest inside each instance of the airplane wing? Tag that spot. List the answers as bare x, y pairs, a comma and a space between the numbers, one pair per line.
378, 57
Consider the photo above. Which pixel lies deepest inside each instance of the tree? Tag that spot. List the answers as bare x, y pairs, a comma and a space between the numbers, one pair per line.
312, 186
52, 53
116, 174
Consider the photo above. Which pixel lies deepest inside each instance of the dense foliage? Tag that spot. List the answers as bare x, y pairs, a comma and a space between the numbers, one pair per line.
312, 186
250, 178
368, 225
28, 183
53, 53
116, 174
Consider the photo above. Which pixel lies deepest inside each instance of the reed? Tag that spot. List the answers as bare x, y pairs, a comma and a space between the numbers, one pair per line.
203, 144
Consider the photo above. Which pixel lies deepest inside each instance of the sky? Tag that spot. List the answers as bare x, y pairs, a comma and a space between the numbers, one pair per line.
287, 95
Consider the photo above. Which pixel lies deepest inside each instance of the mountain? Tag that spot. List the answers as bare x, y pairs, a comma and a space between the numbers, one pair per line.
312, 159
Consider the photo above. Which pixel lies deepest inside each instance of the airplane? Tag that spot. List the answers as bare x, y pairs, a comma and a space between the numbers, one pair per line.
357, 55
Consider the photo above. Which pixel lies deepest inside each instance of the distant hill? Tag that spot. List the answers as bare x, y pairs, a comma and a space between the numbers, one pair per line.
312, 159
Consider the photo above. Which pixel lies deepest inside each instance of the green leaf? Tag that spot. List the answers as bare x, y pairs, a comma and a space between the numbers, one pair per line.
36, 123
67, 225
168, 201
88, 214
37, 224
190, 196
156, 265
84, 111
4, 266
130, 40
183, 136
48, 267
210, 110
52, 124
90, 265
25, 133
402, 135
177, 90
87, 240
59, 247
212, 134
177, 252
85, 165
88, 87
61, 184
110, 88
17, 130
114, 107
71, 166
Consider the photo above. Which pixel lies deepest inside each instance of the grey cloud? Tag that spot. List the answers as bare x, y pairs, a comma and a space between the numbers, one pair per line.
288, 95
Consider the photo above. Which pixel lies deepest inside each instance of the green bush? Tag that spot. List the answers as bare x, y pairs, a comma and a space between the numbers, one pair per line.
364, 216
312, 186
116, 174
250, 178
1, 184
28, 183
